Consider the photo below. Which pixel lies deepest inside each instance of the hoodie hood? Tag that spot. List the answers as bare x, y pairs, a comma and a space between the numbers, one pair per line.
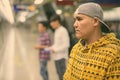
107, 39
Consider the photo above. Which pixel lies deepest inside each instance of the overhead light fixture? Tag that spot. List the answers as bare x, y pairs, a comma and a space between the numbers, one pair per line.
22, 16
38, 1
58, 11
60, 0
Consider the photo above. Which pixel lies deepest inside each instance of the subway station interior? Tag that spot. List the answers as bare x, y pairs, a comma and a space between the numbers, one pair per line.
19, 33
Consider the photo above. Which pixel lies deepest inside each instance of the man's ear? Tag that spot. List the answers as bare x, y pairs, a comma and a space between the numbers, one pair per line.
96, 21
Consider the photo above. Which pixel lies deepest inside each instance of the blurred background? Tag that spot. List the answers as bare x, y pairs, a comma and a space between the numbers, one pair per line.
19, 32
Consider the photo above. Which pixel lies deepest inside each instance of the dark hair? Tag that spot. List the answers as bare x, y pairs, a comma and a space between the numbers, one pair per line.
55, 17
44, 23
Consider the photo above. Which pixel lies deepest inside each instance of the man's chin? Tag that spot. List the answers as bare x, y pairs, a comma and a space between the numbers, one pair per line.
78, 36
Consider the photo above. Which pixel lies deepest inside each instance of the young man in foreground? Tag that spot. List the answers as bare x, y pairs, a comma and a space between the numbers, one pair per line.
97, 54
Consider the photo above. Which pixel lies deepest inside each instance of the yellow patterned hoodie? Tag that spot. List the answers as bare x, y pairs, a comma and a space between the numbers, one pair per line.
97, 61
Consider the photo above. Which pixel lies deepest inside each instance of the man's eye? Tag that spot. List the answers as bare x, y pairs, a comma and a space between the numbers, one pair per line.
78, 18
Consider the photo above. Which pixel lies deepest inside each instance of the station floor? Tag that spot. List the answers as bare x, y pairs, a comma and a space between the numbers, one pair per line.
19, 60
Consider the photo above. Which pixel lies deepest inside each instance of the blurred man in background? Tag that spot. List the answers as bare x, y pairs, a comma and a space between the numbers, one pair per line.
60, 46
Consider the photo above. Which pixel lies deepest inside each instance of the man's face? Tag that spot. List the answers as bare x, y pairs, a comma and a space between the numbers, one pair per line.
41, 28
53, 24
84, 26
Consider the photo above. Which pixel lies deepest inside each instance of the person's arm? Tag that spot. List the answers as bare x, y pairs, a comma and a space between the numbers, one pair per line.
113, 71
40, 46
47, 43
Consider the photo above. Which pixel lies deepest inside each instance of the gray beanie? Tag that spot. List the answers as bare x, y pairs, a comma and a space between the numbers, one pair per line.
93, 10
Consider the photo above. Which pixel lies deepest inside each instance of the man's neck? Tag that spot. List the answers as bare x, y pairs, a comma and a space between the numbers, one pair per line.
58, 26
93, 38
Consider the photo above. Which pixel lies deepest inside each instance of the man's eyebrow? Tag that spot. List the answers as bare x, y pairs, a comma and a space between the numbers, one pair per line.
78, 18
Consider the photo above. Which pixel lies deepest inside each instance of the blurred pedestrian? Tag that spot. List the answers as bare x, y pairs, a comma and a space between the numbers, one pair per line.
60, 46
96, 56
44, 40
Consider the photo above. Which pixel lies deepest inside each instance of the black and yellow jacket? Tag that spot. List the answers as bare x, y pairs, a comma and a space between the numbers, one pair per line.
97, 61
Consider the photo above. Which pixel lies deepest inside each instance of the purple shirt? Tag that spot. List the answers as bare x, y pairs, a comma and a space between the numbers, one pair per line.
44, 39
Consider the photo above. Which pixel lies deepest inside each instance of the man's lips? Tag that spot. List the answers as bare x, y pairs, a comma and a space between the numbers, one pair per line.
77, 31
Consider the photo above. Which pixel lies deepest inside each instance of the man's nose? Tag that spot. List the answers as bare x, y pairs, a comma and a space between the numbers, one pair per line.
75, 25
